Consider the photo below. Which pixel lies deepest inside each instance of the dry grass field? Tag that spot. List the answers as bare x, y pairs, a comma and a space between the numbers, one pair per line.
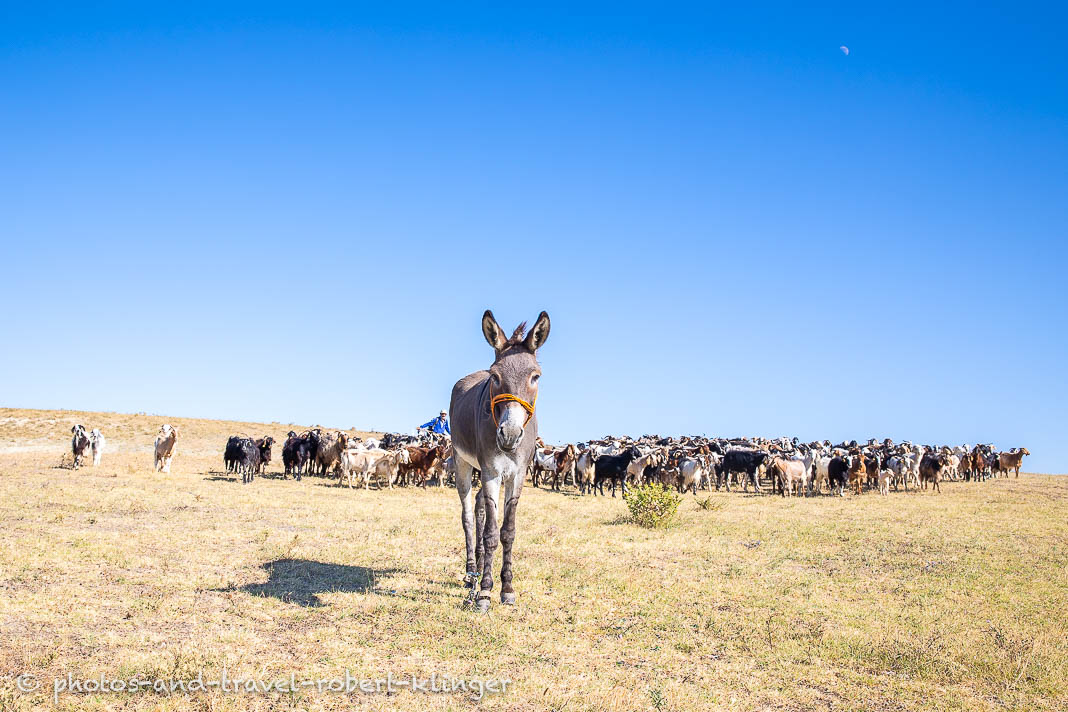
915, 601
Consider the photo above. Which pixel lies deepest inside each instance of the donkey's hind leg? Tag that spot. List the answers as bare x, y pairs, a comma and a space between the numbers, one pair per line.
480, 541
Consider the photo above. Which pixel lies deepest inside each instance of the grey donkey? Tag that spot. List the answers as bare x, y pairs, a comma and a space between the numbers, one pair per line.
494, 430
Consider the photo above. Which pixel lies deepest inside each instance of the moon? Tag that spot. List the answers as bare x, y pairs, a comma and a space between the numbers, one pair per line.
845, 50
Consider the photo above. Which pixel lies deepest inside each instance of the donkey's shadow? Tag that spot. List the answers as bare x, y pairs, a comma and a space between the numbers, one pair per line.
300, 581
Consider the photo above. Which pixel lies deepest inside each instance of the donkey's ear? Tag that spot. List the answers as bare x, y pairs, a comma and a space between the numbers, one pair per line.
539, 333
492, 331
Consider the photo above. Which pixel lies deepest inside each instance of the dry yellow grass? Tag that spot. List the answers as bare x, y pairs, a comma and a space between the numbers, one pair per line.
956, 601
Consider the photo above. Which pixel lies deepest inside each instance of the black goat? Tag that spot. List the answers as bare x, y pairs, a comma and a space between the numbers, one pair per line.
296, 453
747, 462
613, 467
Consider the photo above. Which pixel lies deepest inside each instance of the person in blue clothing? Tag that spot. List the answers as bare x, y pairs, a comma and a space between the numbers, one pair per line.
439, 424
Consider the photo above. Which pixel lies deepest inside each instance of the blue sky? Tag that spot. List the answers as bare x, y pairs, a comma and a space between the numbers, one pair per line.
299, 214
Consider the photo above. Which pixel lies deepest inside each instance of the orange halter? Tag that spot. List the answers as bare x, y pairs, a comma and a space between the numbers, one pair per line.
508, 397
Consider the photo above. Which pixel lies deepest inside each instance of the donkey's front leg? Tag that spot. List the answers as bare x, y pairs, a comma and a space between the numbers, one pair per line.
507, 539
491, 536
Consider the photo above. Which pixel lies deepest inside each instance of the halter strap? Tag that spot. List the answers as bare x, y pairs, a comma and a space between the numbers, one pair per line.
508, 397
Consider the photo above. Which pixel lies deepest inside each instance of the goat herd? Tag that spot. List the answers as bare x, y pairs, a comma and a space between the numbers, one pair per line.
785, 465
688, 463
392, 459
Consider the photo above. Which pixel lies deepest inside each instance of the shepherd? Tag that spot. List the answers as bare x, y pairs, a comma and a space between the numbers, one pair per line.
439, 424
496, 430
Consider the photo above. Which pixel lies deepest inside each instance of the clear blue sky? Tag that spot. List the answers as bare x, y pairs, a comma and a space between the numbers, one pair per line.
299, 213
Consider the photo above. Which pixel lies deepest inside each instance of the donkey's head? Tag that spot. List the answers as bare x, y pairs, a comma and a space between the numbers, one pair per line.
513, 381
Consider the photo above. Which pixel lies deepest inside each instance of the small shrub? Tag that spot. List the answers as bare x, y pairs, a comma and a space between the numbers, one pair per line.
707, 505
652, 505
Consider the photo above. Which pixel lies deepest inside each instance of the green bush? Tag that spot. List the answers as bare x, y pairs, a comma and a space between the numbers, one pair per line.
652, 505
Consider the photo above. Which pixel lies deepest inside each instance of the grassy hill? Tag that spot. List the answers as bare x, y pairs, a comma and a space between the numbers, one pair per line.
914, 601
26, 430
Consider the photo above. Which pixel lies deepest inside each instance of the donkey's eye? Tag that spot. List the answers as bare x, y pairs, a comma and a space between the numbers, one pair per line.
535, 377
496, 380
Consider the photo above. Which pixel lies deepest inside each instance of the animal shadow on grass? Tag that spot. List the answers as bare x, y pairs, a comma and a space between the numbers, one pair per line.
217, 476
272, 476
300, 581
565, 493
621, 519
333, 482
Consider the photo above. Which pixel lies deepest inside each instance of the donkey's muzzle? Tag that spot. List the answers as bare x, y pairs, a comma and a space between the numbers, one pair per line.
508, 438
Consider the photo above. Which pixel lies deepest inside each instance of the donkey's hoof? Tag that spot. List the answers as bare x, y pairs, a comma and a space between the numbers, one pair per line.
483, 605
508, 598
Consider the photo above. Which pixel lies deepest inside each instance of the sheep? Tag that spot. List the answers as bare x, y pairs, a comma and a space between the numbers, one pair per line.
96, 442
328, 453
691, 474
164, 450
371, 462
885, 476
79, 444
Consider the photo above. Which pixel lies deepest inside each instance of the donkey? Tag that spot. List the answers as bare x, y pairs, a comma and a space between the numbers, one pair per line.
494, 430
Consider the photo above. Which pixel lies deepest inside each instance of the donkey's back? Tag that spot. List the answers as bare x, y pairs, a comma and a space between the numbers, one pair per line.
464, 413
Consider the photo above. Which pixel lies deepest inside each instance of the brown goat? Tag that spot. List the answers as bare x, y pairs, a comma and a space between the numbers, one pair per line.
329, 454
1012, 460
857, 470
